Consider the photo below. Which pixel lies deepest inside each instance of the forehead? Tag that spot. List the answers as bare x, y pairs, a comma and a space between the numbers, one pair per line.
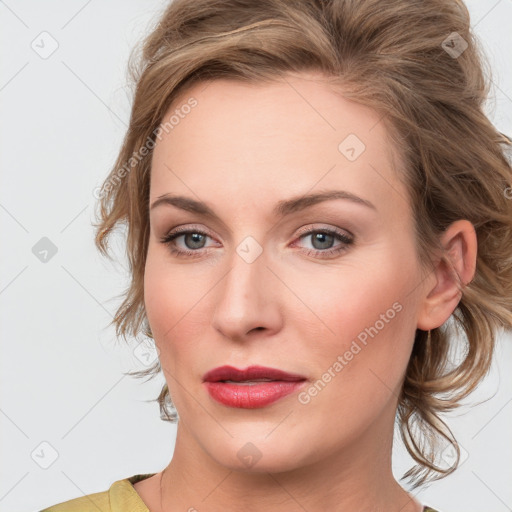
277, 139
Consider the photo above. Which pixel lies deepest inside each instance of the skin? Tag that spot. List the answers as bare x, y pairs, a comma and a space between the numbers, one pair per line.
243, 148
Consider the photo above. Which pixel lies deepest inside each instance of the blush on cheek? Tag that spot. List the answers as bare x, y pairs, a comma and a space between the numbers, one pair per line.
376, 340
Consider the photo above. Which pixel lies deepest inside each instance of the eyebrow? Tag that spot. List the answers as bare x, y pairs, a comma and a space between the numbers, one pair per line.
282, 208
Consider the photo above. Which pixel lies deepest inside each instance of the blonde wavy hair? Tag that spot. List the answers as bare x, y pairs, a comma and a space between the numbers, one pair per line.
416, 63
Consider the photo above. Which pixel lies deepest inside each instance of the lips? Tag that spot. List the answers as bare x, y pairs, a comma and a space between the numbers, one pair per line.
254, 387
253, 373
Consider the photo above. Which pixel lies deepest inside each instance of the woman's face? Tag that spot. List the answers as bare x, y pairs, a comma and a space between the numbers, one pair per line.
329, 290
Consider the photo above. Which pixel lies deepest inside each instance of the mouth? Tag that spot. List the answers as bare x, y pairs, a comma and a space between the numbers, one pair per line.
252, 388
250, 374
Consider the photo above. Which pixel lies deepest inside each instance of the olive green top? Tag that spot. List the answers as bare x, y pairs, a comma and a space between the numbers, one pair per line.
121, 497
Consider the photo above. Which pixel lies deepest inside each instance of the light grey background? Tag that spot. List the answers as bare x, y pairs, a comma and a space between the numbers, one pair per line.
62, 122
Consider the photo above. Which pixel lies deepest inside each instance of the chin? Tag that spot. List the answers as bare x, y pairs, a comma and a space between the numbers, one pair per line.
255, 454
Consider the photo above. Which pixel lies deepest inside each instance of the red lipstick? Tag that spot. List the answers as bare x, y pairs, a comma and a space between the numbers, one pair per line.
254, 387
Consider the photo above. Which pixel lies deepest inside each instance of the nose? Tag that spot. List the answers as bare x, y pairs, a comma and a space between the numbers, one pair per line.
247, 299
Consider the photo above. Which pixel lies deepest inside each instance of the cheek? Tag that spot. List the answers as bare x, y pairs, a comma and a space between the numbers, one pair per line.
169, 307
372, 353
176, 305
360, 372
341, 303
360, 367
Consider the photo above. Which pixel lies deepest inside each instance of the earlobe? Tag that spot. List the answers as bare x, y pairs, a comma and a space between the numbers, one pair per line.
453, 271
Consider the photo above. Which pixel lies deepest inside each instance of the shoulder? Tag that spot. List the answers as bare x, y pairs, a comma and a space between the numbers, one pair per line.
120, 497
98, 501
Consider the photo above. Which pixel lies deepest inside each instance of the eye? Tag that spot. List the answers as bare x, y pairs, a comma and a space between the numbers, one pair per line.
194, 239
322, 240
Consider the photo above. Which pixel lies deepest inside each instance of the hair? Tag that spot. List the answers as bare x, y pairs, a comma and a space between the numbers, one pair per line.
418, 64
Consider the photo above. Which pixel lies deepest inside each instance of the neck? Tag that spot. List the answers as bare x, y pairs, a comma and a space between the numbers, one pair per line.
357, 477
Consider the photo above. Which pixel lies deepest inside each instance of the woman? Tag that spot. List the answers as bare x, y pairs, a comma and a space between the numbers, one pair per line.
316, 204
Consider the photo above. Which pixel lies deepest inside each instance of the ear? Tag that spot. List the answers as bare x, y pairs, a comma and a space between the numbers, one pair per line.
444, 290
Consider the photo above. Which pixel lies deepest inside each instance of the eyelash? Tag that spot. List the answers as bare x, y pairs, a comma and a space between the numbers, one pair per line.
347, 241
